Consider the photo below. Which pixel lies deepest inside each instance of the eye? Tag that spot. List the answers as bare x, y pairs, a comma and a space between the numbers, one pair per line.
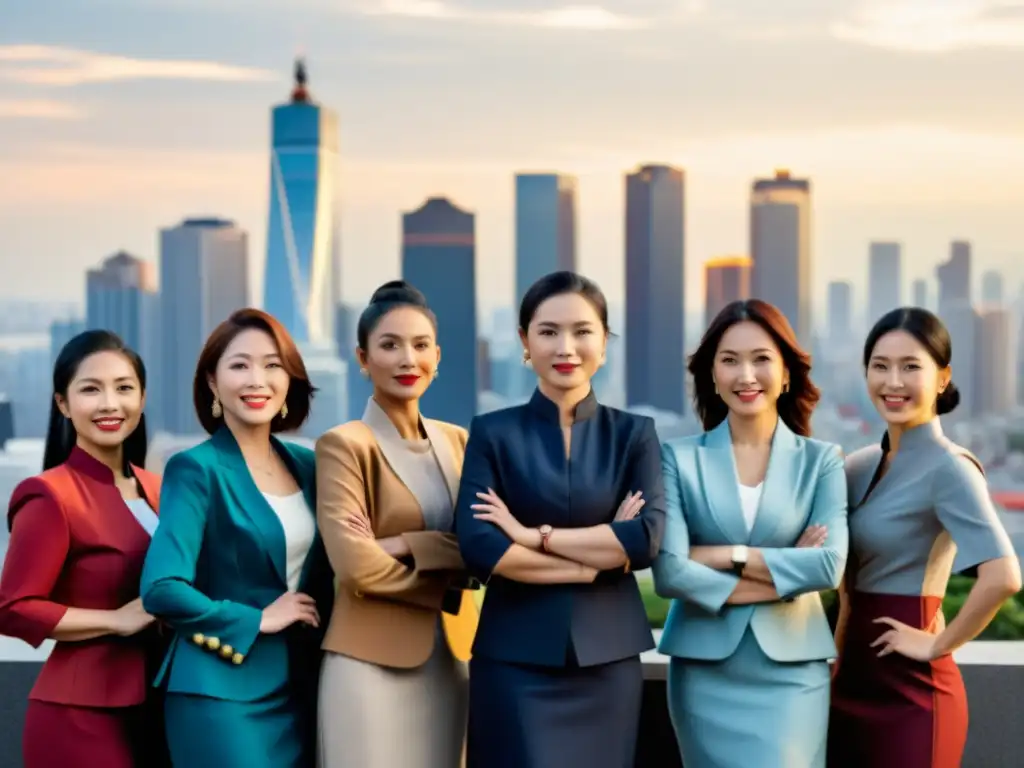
388, 345
423, 345
584, 332
728, 360
763, 359
273, 365
547, 332
238, 366
127, 388
913, 367
878, 366
89, 388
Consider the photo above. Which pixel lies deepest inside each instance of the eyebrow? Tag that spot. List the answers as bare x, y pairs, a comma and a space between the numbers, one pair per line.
119, 379
734, 352
420, 337
246, 356
905, 358
577, 324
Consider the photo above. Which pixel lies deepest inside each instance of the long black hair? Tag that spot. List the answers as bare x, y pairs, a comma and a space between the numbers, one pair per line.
61, 436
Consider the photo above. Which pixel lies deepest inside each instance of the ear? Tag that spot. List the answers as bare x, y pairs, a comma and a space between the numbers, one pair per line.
62, 406
945, 376
523, 339
438, 354
361, 357
212, 386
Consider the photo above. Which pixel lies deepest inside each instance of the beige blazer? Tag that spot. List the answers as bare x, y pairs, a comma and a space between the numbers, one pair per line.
386, 612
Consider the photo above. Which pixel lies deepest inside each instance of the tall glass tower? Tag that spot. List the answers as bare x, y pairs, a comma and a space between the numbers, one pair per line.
301, 283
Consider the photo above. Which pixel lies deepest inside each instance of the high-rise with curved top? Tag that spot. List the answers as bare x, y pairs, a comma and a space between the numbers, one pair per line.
302, 269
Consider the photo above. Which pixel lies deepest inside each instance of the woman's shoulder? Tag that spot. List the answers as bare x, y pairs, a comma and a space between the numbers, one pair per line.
350, 435
821, 450
863, 461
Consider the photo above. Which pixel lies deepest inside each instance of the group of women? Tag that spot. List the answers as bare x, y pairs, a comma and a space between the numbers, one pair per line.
262, 604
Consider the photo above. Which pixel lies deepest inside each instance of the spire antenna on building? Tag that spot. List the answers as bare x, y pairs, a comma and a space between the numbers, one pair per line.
299, 93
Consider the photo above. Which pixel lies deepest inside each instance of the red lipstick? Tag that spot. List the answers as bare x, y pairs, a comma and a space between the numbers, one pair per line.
407, 380
565, 367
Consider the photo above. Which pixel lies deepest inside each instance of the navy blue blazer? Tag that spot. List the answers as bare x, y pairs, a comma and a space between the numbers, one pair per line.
520, 453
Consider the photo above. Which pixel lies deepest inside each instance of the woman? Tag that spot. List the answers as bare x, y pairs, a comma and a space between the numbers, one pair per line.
556, 678
236, 567
393, 689
79, 534
918, 503
756, 528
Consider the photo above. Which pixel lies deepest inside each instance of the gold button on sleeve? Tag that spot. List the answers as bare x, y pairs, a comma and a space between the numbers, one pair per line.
198, 638
227, 651
212, 643
237, 658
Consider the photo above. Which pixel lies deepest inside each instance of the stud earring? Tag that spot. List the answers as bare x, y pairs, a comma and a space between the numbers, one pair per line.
284, 411
526, 357
364, 373
437, 372
215, 409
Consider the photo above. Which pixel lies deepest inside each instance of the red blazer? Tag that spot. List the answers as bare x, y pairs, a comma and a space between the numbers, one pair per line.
75, 543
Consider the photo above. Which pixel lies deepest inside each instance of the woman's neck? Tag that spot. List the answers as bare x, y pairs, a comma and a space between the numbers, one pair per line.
897, 431
113, 458
753, 431
253, 440
565, 399
404, 414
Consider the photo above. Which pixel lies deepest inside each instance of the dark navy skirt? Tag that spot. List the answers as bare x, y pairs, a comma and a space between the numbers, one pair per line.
552, 717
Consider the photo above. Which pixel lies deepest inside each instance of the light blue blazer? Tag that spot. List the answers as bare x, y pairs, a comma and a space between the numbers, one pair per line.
805, 484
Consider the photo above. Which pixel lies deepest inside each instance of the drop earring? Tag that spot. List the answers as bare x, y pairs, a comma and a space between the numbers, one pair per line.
284, 411
215, 409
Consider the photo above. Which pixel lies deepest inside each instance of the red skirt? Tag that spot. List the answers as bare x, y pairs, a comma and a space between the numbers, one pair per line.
62, 736
892, 712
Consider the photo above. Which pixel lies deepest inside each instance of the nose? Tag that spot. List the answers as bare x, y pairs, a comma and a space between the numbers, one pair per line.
257, 376
108, 400
408, 356
566, 345
747, 373
894, 380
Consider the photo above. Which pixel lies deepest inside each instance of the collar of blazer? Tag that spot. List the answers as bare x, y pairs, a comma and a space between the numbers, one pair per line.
720, 483
254, 506
148, 483
392, 446
546, 408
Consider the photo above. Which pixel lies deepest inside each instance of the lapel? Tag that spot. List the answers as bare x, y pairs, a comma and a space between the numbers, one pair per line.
251, 504
779, 491
149, 484
721, 484
397, 456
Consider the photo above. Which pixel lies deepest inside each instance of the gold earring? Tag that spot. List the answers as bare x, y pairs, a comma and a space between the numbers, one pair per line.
215, 409
437, 371
284, 411
364, 373
526, 357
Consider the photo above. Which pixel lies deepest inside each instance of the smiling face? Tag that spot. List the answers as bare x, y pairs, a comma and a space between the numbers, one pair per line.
249, 381
566, 342
402, 354
749, 371
104, 401
903, 380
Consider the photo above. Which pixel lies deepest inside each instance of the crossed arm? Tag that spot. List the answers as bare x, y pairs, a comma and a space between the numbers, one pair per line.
493, 541
698, 574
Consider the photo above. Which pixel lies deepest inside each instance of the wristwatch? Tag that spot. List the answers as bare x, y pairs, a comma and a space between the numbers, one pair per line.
740, 552
545, 534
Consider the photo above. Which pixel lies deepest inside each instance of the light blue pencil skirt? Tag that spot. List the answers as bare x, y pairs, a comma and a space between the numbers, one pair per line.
748, 710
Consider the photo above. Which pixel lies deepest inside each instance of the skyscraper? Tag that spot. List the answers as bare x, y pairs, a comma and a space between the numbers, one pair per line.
993, 369
655, 348
545, 227
840, 312
726, 279
957, 312
203, 279
919, 293
992, 288
780, 245
121, 296
885, 279
439, 258
301, 287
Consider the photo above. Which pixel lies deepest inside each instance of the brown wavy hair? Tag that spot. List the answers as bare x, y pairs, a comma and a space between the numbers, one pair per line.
795, 406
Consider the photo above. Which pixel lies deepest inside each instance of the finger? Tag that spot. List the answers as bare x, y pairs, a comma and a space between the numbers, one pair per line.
488, 508
887, 620
485, 516
885, 637
886, 651
304, 599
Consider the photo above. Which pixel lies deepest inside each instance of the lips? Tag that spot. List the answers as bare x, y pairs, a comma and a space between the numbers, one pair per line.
256, 402
895, 402
748, 395
565, 367
407, 380
108, 425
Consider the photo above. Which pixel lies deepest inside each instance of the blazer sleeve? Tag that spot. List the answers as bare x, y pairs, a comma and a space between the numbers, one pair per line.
359, 563
168, 576
481, 543
675, 574
798, 570
38, 547
641, 537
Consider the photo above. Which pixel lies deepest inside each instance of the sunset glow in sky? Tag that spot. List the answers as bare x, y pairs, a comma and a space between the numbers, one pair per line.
906, 114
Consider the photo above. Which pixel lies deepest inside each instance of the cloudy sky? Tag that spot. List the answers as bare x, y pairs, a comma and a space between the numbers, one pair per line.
907, 115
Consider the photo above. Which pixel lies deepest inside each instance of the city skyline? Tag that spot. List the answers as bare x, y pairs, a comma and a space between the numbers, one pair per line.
102, 152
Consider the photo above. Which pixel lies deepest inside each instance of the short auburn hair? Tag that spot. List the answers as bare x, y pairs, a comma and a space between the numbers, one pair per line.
300, 390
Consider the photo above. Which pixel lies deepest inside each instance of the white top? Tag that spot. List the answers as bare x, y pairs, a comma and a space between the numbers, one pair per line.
750, 499
299, 530
144, 514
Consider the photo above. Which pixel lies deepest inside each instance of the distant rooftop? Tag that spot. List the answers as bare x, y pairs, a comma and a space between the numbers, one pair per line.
208, 222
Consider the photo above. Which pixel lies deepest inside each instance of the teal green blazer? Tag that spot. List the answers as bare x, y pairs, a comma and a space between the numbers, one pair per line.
805, 484
216, 560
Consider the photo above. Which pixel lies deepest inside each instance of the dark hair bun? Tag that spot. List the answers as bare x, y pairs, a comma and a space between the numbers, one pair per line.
948, 400
399, 292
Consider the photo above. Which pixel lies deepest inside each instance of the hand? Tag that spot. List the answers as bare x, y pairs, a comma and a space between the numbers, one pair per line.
938, 625
360, 526
289, 608
630, 506
813, 536
131, 619
396, 546
493, 510
905, 640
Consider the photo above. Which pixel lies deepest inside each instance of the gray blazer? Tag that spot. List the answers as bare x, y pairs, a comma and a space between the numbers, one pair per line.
805, 484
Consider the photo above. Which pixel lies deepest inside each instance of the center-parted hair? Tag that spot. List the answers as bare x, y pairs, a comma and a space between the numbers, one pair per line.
300, 390
558, 284
61, 436
795, 406
389, 297
930, 333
